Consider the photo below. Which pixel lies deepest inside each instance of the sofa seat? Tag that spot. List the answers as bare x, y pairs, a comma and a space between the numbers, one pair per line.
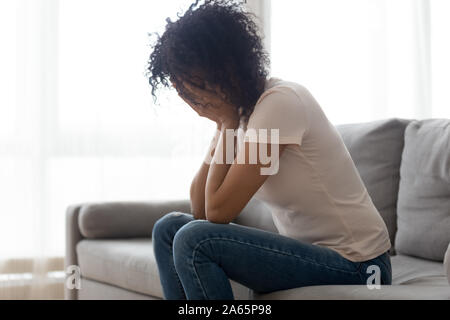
412, 278
125, 263
130, 264
407, 270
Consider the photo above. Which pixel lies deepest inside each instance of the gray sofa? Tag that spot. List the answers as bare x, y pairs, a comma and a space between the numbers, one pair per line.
405, 165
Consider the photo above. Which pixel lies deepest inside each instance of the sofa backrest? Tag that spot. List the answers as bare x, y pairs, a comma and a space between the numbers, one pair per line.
257, 215
424, 194
376, 149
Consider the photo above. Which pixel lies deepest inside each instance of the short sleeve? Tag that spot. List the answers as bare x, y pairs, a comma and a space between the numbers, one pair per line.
278, 110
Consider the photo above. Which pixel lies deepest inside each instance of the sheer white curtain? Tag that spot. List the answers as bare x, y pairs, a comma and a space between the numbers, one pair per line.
77, 124
366, 59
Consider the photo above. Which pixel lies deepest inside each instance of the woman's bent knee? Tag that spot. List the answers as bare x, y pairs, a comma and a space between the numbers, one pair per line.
169, 224
190, 235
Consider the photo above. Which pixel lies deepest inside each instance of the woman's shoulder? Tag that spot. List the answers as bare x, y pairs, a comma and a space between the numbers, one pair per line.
281, 95
280, 88
281, 108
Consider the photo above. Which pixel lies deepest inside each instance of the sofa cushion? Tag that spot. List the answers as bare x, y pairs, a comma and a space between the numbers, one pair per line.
412, 278
95, 290
128, 264
256, 215
376, 149
360, 292
447, 263
124, 219
407, 270
424, 195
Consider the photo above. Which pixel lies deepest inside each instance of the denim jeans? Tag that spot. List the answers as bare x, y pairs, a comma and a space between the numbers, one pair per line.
196, 259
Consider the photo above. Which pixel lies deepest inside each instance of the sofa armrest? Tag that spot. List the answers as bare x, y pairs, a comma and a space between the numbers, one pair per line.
447, 263
125, 219
73, 236
112, 220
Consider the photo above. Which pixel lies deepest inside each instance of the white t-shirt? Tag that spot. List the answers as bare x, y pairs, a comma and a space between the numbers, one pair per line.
317, 196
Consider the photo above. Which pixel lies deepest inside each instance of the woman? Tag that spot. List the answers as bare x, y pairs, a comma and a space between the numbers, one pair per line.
329, 230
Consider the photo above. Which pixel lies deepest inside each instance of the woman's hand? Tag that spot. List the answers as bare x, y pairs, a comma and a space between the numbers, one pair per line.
213, 106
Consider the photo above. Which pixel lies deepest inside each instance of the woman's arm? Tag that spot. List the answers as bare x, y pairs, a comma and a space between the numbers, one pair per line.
229, 187
221, 190
197, 191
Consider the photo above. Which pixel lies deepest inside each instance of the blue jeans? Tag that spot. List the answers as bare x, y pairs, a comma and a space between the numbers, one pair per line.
196, 259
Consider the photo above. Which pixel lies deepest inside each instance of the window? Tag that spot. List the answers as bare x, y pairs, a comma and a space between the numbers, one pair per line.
365, 59
77, 120
440, 53
8, 62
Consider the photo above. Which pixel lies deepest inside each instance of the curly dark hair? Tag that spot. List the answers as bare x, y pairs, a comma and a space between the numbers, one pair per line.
217, 43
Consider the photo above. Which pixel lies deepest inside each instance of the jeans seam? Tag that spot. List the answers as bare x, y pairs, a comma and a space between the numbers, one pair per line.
176, 274
195, 268
264, 248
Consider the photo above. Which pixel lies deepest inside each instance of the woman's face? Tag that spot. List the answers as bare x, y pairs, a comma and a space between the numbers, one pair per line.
196, 81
